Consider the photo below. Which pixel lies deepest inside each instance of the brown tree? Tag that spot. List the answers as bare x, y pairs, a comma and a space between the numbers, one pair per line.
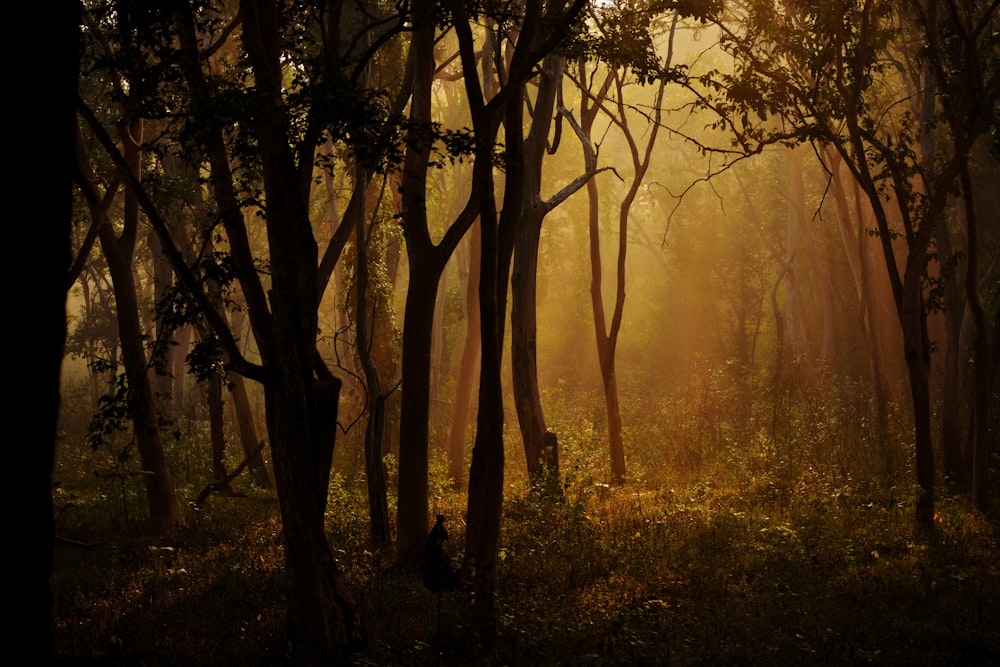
819, 69
540, 445
540, 30
277, 151
41, 300
119, 250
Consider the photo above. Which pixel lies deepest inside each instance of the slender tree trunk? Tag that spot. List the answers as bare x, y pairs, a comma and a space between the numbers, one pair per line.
213, 389
378, 506
414, 417
486, 471
916, 352
795, 316
162, 382
982, 385
910, 308
956, 467
437, 338
486, 474
178, 365
249, 442
607, 332
425, 271
164, 508
818, 260
468, 366
243, 411
524, 277
855, 250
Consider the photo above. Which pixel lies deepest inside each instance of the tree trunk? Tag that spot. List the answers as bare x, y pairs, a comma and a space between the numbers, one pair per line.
468, 367
486, 473
855, 250
795, 316
37, 374
982, 385
216, 425
178, 360
164, 508
916, 352
425, 271
378, 507
486, 470
524, 277
908, 297
956, 467
162, 350
249, 442
818, 260
414, 416
244, 415
607, 332
301, 409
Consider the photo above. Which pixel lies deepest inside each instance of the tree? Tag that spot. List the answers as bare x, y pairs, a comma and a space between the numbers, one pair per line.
119, 250
468, 365
258, 133
540, 29
42, 302
626, 43
963, 58
300, 394
427, 261
540, 445
817, 72
375, 474
856, 242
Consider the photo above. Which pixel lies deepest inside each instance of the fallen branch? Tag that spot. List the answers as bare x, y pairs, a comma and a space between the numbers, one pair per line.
223, 484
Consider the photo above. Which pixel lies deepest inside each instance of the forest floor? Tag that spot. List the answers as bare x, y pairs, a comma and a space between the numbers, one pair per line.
760, 573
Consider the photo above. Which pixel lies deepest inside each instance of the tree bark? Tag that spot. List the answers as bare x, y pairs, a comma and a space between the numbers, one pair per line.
378, 506
468, 366
249, 442
164, 509
855, 249
524, 277
425, 266
38, 372
301, 408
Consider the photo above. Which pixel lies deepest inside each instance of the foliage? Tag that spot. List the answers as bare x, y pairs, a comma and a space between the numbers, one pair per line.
823, 572
743, 538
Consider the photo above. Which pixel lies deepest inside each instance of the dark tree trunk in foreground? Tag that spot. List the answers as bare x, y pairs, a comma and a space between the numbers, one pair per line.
37, 370
542, 29
426, 264
301, 407
524, 279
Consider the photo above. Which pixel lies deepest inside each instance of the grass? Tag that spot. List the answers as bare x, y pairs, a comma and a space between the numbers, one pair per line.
753, 570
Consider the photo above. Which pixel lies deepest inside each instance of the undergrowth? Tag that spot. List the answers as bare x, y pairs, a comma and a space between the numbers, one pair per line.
748, 571
764, 536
